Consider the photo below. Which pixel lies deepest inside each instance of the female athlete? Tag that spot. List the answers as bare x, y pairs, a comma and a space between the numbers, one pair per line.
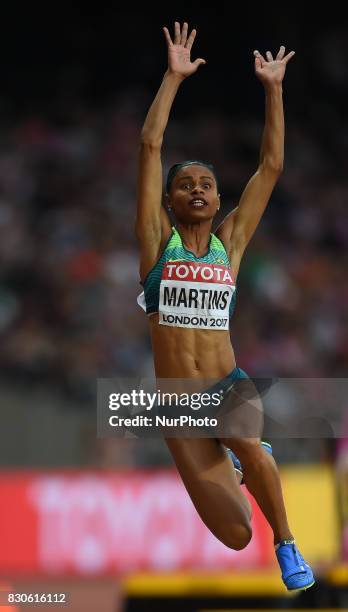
189, 312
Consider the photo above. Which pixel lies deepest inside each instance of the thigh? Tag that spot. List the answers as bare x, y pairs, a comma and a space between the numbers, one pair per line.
241, 414
210, 479
243, 447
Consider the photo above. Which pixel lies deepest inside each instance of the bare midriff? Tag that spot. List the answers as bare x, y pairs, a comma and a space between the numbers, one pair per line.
190, 353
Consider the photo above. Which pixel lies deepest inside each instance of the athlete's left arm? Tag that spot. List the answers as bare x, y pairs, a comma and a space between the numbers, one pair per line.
238, 227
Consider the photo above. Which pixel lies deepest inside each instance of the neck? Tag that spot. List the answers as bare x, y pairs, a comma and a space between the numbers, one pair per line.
195, 236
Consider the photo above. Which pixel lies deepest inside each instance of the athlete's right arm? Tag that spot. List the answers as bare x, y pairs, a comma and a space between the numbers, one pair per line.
152, 221
152, 224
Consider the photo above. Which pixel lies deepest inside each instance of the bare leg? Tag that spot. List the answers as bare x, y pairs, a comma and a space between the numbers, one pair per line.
211, 482
262, 479
243, 430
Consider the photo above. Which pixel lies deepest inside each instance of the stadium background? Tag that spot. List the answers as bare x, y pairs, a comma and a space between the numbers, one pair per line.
75, 88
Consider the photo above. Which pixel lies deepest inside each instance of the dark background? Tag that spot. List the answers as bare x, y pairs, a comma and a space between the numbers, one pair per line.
76, 83
57, 53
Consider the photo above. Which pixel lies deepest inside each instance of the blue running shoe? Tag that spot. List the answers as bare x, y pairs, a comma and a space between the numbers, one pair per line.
267, 446
296, 573
237, 464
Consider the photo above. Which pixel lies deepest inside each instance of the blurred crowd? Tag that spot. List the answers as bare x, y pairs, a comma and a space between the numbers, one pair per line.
68, 256
69, 261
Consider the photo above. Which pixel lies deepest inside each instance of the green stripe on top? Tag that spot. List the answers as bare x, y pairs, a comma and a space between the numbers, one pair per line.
175, 250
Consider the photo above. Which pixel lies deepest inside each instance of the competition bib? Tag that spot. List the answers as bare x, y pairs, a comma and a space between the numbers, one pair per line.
195, 295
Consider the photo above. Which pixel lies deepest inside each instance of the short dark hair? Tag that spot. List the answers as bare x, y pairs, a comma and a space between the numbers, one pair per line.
191, 162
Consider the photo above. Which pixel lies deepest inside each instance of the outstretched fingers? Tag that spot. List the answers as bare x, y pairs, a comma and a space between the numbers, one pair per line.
167, 37
280, 53
177, 34
259, 59
191, 39
180, 36
184, 34
288, 57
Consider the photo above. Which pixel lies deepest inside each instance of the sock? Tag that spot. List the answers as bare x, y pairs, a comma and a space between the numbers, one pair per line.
276, 546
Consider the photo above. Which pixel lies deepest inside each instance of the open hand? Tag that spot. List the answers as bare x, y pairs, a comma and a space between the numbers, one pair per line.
179, 61
271, 71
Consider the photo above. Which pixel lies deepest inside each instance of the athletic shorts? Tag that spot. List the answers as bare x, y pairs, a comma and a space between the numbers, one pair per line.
221, 399
225, 385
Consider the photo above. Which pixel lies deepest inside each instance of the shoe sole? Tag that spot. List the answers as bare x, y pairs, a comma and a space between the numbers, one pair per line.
269, 447
304, 588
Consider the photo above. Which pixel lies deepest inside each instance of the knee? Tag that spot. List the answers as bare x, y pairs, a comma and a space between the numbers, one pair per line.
247, 449
237, 536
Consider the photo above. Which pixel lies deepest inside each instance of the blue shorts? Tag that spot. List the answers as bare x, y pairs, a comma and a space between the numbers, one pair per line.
222, 388
225, 385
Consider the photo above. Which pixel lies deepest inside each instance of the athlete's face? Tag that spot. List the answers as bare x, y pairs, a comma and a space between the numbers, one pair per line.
193, 195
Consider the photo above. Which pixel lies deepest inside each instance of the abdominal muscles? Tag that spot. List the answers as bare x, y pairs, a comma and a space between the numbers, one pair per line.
190, 353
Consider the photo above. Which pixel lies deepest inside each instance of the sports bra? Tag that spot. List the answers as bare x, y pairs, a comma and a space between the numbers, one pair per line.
189, 291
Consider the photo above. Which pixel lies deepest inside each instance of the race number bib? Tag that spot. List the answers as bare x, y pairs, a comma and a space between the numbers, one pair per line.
195, 295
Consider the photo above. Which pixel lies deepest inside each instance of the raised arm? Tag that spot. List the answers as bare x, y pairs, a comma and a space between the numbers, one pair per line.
239, 226
152, 223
